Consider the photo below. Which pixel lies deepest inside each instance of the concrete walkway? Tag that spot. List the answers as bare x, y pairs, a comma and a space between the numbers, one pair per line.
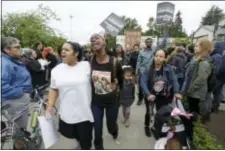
130, 138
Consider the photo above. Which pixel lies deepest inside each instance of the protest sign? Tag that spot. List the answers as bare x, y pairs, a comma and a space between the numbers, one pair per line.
165, 12
113, 24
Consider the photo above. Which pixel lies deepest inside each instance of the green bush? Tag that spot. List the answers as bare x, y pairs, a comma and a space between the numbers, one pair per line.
203, 140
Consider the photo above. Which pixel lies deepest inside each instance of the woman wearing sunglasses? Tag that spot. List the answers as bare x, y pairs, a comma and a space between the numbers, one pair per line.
16, 80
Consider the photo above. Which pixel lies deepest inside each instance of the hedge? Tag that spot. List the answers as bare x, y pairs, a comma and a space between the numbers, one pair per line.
203, 140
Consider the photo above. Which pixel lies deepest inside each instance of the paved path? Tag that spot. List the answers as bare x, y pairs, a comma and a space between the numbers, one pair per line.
130, 138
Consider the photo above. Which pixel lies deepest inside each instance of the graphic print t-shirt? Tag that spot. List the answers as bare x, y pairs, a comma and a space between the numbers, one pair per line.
102, 82
102, 77
158, 82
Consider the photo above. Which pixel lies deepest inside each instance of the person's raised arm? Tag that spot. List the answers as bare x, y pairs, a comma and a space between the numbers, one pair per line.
164, 40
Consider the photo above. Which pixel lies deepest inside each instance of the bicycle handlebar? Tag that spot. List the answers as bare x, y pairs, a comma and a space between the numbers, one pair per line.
42, 88
5, 107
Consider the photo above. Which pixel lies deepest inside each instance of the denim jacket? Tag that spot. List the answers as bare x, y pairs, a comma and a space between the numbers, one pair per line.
170, 75
16, 79
145, 57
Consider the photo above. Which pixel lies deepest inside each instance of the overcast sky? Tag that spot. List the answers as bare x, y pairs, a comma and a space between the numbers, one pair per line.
89, 14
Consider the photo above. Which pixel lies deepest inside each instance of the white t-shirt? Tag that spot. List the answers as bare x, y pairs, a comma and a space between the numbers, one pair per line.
74, 87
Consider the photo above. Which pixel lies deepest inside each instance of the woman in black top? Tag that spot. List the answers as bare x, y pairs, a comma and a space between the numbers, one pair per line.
34, 67
106, 79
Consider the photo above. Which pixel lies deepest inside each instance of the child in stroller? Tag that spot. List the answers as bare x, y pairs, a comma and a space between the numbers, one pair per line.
169, 128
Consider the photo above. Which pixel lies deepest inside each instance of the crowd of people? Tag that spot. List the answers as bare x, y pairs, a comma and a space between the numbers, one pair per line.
89, 84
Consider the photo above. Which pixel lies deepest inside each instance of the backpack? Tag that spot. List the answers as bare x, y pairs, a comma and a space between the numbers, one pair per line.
179, 63
213, 76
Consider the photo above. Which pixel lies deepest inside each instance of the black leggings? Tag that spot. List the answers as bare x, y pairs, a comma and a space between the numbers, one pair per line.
159, 102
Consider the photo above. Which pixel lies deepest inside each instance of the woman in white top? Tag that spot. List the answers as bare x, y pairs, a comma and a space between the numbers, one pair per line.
71, 83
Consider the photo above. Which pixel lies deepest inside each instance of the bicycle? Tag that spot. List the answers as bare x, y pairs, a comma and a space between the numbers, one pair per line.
23, 138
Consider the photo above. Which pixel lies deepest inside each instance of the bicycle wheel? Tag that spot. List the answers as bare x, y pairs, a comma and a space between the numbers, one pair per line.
37, 142
21, 143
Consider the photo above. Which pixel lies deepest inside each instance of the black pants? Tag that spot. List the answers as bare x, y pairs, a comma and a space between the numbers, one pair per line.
216, 93
147, 113
140, 94
180, 81
82, 132
111, 121
193, 104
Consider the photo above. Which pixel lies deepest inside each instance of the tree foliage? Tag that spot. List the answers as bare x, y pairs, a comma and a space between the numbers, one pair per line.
111, 44
32, 26
213, 16
175, 28
131, 23
203, 140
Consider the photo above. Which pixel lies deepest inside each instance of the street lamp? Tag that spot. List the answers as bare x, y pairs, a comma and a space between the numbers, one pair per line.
71, 34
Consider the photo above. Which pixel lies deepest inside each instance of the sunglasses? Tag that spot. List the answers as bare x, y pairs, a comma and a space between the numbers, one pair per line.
17, 47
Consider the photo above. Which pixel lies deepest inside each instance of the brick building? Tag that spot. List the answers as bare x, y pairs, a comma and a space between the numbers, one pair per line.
132, 37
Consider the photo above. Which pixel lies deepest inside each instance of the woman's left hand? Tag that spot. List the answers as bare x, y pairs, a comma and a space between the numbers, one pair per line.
179, 96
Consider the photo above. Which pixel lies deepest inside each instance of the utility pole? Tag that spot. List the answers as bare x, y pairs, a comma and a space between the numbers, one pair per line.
71, 23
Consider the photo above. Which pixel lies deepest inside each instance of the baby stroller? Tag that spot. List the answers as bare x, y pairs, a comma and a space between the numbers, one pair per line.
169, 120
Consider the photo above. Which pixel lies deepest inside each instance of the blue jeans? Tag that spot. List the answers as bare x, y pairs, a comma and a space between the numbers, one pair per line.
111, 121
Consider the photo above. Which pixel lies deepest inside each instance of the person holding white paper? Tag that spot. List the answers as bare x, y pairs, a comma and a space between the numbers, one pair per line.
71, 83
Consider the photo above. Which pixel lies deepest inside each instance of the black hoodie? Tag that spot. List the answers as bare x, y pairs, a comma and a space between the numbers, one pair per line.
37, 75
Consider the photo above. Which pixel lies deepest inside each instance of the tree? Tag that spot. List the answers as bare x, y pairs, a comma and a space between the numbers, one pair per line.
213, 16
152, 28
178, 24
111, 42
31, 26
131, 23
175, 28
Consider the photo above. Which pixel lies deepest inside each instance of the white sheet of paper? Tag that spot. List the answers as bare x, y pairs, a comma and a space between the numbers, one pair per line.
48, 131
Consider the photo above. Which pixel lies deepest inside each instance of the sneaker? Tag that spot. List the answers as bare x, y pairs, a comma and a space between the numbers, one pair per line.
127, 123
139, 103
154, 133
147, 132
99, 148
117, 141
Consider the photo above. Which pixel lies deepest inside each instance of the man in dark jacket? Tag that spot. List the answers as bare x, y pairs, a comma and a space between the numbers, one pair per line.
221, 70
219, 47
133, 63
134, 56
220, 81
